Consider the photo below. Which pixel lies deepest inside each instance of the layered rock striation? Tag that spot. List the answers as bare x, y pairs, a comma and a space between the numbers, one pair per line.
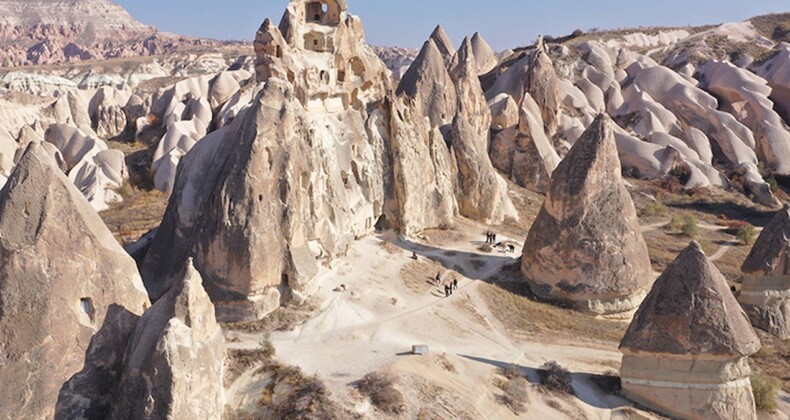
686, 351
765, 294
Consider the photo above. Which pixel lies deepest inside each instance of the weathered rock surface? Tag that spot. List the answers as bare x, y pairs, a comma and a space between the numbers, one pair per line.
94, 169
777, 72
765, 294
482, 193
60, 273
108, 119
485, 58
293, 179
586, 246
62, 31
174, 364
444, 44
686, 350
543, 86
745, 95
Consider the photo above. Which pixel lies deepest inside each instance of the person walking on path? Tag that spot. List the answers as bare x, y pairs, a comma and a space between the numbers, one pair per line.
455, 284
438, 278
446, 290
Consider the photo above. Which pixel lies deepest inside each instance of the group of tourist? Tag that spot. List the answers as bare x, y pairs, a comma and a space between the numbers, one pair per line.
448, 287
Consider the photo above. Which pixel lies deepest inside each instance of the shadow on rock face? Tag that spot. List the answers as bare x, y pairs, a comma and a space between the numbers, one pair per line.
89, 393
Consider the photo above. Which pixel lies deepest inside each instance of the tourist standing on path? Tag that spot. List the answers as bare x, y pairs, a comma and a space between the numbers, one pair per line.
446, 290
455, 284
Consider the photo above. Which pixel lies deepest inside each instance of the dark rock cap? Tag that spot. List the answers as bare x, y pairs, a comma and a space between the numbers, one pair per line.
770, 246
691, 311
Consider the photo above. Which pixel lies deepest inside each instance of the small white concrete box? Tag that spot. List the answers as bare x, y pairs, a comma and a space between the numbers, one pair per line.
420, 349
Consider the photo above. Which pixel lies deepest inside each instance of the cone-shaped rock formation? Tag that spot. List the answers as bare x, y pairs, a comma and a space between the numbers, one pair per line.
585, 247
686, 350
765, 294
61, 271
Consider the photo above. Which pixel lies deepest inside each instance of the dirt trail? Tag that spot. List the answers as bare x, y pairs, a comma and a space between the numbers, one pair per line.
373, 324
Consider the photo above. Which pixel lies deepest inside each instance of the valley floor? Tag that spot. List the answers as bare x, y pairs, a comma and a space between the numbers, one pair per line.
390, 303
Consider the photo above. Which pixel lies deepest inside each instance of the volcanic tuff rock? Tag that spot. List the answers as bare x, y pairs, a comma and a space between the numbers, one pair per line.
482, 193
291, 180
174, 365
485, 58
444, 44
690, 333
58, 31
586, 246
424, 169
765, 294
543, 86
325, 153
51, 304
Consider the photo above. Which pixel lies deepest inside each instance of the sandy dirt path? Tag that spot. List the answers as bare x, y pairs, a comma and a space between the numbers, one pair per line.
374, 323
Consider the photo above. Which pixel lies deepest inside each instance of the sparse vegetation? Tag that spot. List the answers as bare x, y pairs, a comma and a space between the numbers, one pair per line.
747, 235
686, 225
380, 388
239, 361
512, 371
446, 363
485, 248
654, 208
283, 319
308, 396
514, 395
556, 378
522, 316
765, 390
689, 228
773, 359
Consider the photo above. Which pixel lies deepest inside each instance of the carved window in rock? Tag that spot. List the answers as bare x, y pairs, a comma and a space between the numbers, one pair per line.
357, 66
323, 12
315, 41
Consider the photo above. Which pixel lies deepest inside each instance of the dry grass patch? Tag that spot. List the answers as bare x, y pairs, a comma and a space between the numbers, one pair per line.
510, 304
294, 395
765, 389
773, 359
239, 361
380, 388
419, 276
774, 26
140, 211
446, 363
283, 319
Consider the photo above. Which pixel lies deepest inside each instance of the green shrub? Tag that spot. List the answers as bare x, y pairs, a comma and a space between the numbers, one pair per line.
689, 228
654, 208
747, 235
675, 223
765, 389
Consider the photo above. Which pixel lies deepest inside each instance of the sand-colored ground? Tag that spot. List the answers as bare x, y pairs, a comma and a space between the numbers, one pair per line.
384, 310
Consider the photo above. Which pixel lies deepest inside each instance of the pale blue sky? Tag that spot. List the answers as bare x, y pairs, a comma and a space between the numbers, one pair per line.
407, 23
